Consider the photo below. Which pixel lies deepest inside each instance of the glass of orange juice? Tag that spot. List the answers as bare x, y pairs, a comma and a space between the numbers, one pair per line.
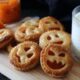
9, 11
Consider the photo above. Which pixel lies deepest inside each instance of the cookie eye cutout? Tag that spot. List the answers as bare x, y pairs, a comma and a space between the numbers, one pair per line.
59, 41
47, 22
62, 54
55, 22
56, 36
55, 65
48, 38
30, 55
36, 26
51, 53
26, 49
23, 31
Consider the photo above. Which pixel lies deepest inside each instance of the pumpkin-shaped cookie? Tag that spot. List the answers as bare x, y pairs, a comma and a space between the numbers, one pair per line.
6, 35
50, 23
56, 37
25, 55
55, 60
29, 30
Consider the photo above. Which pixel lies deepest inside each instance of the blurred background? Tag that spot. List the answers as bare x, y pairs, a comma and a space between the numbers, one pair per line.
61, 9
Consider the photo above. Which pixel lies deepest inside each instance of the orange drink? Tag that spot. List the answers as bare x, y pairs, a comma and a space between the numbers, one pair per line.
9, 10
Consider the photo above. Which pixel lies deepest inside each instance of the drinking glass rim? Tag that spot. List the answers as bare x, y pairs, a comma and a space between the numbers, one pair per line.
73, 13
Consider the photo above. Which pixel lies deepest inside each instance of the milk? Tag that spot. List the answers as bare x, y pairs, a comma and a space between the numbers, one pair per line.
76, 36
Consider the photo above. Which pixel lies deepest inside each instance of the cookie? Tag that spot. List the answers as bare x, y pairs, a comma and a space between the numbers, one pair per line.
6, 35
29, 30
56, 37
25, 56
50, 23
55, 60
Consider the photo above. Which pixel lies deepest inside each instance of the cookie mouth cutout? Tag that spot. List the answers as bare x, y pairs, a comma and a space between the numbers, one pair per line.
54, 63
58, 42
47, 22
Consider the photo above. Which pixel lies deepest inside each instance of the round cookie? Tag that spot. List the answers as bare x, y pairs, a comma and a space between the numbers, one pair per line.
6, 35
50, 23
55, 60
56, 37
25, 56
28, 31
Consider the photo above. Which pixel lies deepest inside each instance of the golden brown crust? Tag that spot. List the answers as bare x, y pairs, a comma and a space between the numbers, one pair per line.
55, 60
28, 31
50, 23
6, 35
56, 37
20, 55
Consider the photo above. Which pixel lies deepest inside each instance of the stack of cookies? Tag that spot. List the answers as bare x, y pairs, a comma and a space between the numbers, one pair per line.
39, 40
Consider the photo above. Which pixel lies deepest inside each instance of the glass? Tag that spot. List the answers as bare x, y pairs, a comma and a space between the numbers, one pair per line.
9, 10
76, 33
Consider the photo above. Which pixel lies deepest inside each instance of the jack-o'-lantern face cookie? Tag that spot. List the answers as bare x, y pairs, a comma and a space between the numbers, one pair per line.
28, 31
25, 55
56, 37
55, 60
50, 23
6, 36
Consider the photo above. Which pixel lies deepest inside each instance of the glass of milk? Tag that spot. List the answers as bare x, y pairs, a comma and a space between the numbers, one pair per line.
76, 33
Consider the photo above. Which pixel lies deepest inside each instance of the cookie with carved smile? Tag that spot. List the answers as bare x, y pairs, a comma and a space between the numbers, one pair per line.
6, 35
56, 37
29, 30
50, 23
55, 60
25, 56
